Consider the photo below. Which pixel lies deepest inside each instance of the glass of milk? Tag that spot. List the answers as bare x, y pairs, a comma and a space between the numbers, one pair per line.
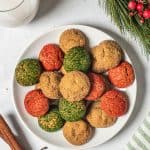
14, 13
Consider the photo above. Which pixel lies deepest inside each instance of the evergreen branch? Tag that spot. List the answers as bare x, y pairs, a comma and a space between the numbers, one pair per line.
118, 10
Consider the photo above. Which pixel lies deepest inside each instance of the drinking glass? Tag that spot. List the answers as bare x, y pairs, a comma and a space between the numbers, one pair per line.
17, 12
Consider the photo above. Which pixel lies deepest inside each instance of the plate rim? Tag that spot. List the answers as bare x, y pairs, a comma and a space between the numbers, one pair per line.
13, 82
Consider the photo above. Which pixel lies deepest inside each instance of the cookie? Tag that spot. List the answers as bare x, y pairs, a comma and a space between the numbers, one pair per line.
36, 104
28, 71
122, 76
74, 86
72, 111
98, 86
72, 38
98, 118
114, 103
49, 84
51, 57
77, 58
77, 133
106, 55
52, 121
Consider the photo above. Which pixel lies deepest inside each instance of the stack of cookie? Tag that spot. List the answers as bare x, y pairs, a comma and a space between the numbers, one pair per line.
75, 85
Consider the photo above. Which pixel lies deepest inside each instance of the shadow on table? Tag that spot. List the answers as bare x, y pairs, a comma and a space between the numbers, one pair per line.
140, 72
20, 134
46, 6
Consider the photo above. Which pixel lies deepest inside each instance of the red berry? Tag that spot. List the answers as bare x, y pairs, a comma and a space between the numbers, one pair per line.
139, 7
146, 14
132, 5
140, 14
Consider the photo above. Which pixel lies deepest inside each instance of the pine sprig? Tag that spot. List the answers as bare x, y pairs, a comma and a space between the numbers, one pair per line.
118, 10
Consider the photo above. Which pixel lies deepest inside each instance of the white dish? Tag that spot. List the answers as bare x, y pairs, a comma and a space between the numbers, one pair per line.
101, 134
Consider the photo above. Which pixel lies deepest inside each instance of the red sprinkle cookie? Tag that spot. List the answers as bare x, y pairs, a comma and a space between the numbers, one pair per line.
114, 103
98, 86
51, 57
36, 103
122, 76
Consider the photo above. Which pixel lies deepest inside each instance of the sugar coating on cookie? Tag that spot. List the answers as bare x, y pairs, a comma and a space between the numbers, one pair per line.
51, 57
36, 104
114, 103
77, 58
98, 118
72, 38
28, 71
74, 86
72, 111
52, 121
122, 76
49, 84
106, 55
98, 86
77, 133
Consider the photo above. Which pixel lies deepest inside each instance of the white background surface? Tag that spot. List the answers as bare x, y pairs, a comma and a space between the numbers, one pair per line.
61, 12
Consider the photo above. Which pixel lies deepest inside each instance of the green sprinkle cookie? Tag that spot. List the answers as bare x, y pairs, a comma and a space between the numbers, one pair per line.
52, 121
77, 59
28, 72
72, 111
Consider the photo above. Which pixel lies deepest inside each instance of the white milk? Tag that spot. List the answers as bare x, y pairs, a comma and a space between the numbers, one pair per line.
9, 4
17, 12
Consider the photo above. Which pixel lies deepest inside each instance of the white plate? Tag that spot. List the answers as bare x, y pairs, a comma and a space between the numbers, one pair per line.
102, 134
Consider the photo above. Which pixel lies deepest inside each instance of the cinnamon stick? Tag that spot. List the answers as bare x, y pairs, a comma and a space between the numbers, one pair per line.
8, 136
